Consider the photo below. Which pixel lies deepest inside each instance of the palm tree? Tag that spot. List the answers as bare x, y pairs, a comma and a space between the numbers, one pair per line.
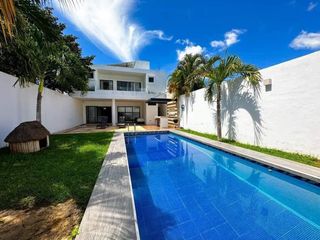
183, 80
9, 9
218, 70
7, 17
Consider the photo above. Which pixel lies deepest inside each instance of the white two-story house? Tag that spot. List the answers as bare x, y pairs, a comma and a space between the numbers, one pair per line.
124, 92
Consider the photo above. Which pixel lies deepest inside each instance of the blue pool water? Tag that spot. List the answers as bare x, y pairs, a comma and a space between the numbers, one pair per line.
186, 190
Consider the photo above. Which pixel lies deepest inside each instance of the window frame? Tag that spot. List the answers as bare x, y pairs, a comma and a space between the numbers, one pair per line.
106, 80
153, 77
131, 86
130, 112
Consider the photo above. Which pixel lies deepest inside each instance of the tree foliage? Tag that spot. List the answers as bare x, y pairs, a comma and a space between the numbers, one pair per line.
41, 50
218, 70
40, 53
183, 80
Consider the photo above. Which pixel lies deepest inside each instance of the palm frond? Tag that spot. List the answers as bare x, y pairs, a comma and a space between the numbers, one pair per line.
8, 14
183, 80
7, 17
211, 91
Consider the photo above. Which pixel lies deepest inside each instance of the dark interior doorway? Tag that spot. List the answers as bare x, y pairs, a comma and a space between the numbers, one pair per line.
94, 114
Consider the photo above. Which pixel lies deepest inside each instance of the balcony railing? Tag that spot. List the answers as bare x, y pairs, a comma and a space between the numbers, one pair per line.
131, 90
116, 94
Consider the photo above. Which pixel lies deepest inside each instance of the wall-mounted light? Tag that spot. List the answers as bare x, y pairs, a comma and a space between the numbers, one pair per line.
268, 84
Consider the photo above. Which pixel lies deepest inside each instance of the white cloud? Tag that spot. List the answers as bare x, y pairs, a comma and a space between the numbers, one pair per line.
230, 38
184, 41
107, 24
306, 40
311, 6
217, 44
190, 49
158, 34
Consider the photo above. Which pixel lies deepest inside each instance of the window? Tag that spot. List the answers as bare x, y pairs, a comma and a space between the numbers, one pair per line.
106, 84
96, 114
128, 114
151, 79
90, 75
128, 86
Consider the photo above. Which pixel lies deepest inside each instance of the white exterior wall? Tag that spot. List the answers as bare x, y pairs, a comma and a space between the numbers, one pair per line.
116, 73
59, 112
151, 112
160, 83
287, 117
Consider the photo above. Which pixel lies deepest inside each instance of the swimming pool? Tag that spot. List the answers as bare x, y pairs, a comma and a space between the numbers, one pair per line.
186, 190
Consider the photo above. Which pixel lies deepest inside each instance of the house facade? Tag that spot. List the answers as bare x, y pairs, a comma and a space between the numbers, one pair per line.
123, 93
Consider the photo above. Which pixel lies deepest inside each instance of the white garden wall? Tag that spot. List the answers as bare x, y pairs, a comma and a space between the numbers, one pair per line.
287, 117
59, 112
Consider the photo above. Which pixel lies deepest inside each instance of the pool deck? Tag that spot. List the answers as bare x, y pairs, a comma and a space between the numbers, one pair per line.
110, 213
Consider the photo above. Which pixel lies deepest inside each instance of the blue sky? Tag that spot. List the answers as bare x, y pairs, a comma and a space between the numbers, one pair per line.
263, 33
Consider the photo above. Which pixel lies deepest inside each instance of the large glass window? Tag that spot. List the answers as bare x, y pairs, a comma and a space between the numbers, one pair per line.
128, 86
128, 114
96, 114
106, 84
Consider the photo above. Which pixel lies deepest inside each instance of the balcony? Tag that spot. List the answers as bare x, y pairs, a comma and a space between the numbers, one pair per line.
143, 94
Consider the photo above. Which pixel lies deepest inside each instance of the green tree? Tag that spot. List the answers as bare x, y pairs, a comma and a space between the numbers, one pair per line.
9, 9
35, 56
183, 80
218, 70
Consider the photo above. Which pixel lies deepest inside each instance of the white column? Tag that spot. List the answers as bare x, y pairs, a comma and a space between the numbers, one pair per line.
114, 112
146, 83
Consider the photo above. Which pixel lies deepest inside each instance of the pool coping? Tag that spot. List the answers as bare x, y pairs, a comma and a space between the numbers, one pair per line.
110, 213
297, 169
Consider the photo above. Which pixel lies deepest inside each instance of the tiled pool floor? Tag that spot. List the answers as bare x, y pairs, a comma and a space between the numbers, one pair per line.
182, 191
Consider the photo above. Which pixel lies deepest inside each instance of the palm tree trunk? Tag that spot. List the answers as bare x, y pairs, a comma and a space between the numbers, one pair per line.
219, 111
39, 99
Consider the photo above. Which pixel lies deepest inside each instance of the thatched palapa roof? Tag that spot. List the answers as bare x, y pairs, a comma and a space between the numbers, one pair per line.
27, 131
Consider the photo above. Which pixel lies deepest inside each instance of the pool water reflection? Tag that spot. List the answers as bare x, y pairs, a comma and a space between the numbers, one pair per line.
186, 190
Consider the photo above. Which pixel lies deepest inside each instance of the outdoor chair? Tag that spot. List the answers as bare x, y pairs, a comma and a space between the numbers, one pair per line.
103, 122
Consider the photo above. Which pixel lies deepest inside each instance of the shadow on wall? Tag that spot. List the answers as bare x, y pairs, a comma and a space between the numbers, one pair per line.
236, 96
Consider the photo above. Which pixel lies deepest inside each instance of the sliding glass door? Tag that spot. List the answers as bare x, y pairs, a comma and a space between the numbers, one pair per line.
95, 114
128, 114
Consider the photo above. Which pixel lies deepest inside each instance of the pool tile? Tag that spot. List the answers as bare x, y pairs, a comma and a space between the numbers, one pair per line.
195, 212
204, 223
181, 215
211, 234
287, 220
172, 233
304, 231
257, 234
226, 232
188, 230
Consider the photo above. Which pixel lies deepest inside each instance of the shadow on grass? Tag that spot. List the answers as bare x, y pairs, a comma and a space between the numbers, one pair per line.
67, 169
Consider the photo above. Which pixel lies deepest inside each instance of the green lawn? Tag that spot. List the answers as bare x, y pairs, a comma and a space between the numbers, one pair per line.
67, 169
306, 159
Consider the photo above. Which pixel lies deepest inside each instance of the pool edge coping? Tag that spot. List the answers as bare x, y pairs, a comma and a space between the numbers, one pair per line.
131, 190
118, 145
298, 169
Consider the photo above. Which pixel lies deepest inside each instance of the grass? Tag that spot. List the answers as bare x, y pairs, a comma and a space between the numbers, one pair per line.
67, 169
297, 157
